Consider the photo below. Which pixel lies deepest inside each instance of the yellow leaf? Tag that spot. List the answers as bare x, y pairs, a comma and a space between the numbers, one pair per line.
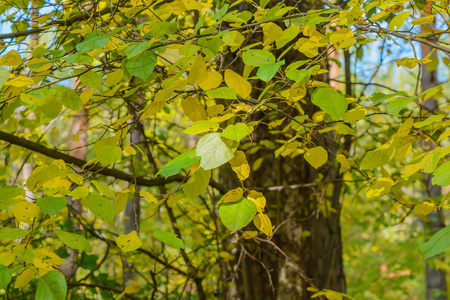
444, 135
259, 200
57, 183
398, 20
231, 196
423, 20
87, 95
114, 78
263, 223
409, 63
233, 38
152, 109
424, 208
344, 129
226, 256
120, 203
129, 150
20, 81
7, 258
345, 165
11, 59
210, 80
43, 266
24, 211
193, 110
405, 128
240, 165
36, 61
79, 192
354, 115
288, 35
343, 38
272, 32
222, 118
409, 170
381, 187
129, 242
24, 278
192, 5
52, 257
198, 70
238, 83
316, 156
78, 179
148, 197
134, 288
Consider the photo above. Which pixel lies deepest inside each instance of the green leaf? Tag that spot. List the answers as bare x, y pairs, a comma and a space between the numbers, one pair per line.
238, 214
79, 59
12, 233
168, 238
178, 163
41, 51
197, 184
266, 72
258, 58
73, 240
92, 80
5, 276
51, 205
201, 126
438, 243
300, 76
108, 155
378, 97
142, 66
236, 132
330, 101
222, 93
51, 286
397, 105
4, 75
377, 158
136, 48
430, 120
219, 14
164, 28
92, 44
213, 151
68, 98
104, 189
442, 175
7, 193
101, 207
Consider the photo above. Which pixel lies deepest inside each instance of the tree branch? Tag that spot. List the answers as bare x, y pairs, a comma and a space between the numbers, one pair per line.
69, 22
68, 159
380, 30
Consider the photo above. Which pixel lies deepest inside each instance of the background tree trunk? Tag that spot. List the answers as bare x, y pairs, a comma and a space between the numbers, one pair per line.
435, 278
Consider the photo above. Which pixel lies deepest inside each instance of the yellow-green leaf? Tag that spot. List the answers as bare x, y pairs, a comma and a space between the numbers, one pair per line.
316, 156
129, 242
238, 83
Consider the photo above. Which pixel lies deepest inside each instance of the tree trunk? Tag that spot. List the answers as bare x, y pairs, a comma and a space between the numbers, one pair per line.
436, 285
309, 202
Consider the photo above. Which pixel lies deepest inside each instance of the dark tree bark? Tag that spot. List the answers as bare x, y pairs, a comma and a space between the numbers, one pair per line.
311, 236
436, 285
